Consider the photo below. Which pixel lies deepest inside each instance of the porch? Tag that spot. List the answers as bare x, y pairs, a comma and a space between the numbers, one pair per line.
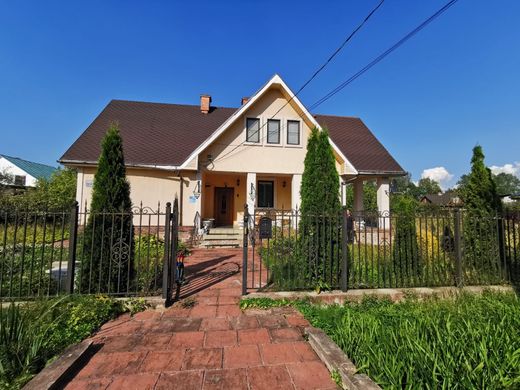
223, 195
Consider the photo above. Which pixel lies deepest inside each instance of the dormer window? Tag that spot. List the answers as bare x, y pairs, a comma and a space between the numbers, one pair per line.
253, 130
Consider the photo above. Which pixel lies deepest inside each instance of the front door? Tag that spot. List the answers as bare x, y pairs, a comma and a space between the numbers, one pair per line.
224, 206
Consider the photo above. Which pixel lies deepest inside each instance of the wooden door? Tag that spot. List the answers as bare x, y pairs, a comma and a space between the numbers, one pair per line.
224, 206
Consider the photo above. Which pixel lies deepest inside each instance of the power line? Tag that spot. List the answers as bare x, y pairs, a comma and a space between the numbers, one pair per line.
334, 54
383, 55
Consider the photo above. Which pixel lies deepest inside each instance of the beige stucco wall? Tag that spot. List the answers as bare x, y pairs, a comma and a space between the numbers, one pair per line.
228, 156
151, 187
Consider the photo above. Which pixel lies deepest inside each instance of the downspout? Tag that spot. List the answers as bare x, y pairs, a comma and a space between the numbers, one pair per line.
181, 202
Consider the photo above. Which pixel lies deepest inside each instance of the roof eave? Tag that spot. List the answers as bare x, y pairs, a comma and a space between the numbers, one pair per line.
148, 166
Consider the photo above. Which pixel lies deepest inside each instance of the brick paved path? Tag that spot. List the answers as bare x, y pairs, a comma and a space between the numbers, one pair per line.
212, 345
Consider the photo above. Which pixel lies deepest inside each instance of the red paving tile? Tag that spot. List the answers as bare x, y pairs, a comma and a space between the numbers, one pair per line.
235, 379
253, 336
242, 356
310, 376
220, 338
215, 324
269, 378
285, 334
202, 358
182, 380
187, 340
212, 345
134, 382
279, 353
159, 361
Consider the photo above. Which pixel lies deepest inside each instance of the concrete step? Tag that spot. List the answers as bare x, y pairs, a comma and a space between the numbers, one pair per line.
230, 231
222, 236
220, 244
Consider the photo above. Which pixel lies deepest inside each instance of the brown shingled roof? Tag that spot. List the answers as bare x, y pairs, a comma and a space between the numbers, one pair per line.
359, 145
166, 134
152, 133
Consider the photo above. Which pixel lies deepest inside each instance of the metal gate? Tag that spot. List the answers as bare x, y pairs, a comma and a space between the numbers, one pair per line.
285, 250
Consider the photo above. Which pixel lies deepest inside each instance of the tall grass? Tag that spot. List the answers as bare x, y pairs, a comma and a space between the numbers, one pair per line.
32, 334
467, 342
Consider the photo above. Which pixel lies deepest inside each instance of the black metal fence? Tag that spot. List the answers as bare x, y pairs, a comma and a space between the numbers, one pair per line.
121, 254
292, 251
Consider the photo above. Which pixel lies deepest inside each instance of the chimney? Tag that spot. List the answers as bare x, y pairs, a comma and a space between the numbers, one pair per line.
244, 100
205, 102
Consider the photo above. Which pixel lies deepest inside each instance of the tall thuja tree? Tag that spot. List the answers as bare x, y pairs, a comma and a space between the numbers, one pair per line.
320, 207
107, 264
407, 262
482, 204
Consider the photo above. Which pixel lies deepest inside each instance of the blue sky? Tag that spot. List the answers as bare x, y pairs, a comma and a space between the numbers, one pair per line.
456, 84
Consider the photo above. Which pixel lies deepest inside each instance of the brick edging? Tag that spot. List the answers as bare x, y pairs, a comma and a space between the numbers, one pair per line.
336, 360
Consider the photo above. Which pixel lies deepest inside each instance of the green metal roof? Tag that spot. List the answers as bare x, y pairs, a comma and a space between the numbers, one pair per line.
36, 170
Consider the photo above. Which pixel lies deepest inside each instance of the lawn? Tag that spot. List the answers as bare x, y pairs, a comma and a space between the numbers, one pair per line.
465, 342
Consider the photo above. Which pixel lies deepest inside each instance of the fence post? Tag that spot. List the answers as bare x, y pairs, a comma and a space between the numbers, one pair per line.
73, 235
244, 249
502, 248
344, 252
166, 261
459, 278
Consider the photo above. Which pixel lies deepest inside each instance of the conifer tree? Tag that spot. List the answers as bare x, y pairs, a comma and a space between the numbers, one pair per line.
107, 264
320, 180
320, 208
481, 203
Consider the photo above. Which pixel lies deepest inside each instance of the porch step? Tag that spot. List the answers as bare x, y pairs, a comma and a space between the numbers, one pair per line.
222, 237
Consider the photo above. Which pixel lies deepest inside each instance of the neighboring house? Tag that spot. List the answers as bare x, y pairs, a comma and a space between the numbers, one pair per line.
448, 199
25, 173
217, 159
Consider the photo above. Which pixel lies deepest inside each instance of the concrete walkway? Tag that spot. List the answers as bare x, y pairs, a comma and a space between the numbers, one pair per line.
207, 343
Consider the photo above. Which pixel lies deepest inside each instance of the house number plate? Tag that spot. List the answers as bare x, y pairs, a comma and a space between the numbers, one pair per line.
265, 228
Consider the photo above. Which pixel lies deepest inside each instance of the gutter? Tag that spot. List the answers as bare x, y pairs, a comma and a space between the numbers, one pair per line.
150, 166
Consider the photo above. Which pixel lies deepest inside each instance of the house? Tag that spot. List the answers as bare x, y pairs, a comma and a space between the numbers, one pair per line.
216, 159
448, 199
25, 173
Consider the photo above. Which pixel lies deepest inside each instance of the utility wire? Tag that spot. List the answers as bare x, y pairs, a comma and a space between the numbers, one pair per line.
334, 54
383, 55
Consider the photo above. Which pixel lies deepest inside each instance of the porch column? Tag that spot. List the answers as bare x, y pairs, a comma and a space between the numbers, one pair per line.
251, 192
343, 191
296, 184
383, 200
198, 205
358, 196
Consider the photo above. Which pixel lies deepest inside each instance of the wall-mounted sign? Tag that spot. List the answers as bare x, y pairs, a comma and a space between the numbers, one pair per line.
89, 183
265, 228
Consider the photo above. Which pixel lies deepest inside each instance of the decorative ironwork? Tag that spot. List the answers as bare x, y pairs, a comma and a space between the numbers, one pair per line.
120, 253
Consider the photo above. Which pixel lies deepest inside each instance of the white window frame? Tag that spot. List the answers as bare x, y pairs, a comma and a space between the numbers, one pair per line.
280, 132
259, 131
287, 144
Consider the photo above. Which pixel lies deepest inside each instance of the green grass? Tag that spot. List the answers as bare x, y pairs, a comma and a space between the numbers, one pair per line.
466, 342
33, 334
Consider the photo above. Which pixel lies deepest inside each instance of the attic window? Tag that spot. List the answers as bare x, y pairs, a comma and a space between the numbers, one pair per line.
273, 131
253, 130
19, 180
293, 132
